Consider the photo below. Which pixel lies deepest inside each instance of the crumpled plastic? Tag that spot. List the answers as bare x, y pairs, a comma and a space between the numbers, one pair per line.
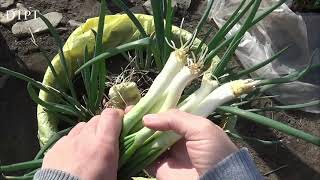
118, 30
278, 30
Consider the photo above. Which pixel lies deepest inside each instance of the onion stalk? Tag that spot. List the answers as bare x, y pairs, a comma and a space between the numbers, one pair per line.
174, 64
162, 141
224, 94
170, 99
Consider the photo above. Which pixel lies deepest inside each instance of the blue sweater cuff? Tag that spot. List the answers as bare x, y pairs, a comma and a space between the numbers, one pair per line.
238, 165
53, 174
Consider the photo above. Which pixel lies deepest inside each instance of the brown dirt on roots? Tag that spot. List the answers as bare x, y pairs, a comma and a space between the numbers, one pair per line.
18, 125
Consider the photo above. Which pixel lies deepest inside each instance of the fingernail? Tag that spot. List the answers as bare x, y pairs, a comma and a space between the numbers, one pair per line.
150, 117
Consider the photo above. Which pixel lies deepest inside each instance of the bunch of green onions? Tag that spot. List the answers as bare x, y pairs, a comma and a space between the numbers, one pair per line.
221, 93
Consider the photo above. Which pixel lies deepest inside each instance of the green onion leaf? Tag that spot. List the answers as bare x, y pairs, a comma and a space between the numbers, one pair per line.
61, 54
293, 76
204, 17
287, 107
30, 177
260, 65
219, 70
53, 139
133, 18
206, 36
41, 86
267, 12
114, 51
271, 123
21, 166
99, 49
234, 18
64, 109
252, 139
168, 28
157, 8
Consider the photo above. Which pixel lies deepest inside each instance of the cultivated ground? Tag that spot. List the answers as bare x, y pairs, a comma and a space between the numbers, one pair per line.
18, 127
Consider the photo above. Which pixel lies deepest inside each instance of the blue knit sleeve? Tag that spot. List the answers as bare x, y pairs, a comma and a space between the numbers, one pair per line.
52, 174
238, 165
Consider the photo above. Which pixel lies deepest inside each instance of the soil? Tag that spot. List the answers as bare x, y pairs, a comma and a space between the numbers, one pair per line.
306, 5
18, 125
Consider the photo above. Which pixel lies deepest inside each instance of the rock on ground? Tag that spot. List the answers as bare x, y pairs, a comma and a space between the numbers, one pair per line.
36, 25
10, 15
36, 63
74, 23
181, 4
147, 6
4, 4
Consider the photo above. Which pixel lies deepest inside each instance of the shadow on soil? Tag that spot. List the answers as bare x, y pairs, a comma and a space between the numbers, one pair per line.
275, 156
18, 125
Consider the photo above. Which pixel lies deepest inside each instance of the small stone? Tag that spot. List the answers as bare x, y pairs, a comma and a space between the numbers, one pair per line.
21, 6
36, 25
147, 6
181, 4
9, 16
200, 7
4, 4
62, 29
36, 62
74, 23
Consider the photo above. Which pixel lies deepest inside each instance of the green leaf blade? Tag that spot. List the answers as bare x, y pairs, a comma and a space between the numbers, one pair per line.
271, 123
114, 51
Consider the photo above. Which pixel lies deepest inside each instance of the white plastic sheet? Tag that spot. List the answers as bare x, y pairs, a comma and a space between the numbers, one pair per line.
278, 30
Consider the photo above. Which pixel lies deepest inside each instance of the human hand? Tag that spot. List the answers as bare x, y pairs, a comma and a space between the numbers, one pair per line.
90, 150
204, 145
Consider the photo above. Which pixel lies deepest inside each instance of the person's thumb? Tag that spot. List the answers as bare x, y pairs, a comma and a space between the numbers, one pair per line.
182, 123
109, 127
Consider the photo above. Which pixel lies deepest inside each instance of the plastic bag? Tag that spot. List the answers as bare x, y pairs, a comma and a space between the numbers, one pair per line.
278, 30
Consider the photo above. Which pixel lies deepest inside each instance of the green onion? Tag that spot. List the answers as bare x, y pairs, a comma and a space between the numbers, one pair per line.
51, 142
56, 37
101, 76
234, 18
174, 64
260, 65
170, 100
158, 15
287, 107
135, 21
19, 177
236, 40
168, 27
253, 140
21, 166
271, 123
163, 140
114, 51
